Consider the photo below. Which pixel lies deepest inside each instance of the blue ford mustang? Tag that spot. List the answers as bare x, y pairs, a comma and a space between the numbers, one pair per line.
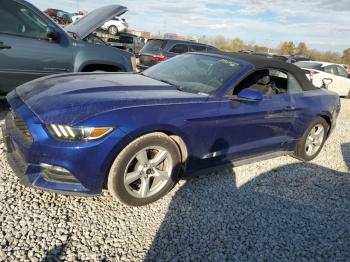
135, 133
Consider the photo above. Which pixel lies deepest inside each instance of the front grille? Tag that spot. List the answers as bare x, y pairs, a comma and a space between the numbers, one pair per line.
21, 127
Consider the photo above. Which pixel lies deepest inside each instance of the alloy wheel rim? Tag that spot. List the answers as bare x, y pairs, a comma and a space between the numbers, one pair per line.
314, 140
148, 171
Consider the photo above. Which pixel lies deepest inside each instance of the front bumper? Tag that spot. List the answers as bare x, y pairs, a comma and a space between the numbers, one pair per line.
31, 175
15, 161
86, 165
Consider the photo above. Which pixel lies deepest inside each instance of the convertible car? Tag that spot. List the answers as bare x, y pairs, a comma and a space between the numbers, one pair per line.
136, 134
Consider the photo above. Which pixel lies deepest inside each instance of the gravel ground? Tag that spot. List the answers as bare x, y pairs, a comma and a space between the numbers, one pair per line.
274, 210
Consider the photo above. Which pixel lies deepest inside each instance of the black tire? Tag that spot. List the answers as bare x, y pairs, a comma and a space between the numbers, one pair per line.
116, 176
300, 149
113, 30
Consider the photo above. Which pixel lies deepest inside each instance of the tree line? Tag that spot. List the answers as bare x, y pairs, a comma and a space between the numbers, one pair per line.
285, 48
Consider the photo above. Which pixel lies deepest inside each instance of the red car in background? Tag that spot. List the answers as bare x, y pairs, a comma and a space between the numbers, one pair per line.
59, 16
347, 68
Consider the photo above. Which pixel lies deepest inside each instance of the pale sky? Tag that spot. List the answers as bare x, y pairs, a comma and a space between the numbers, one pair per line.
322, 24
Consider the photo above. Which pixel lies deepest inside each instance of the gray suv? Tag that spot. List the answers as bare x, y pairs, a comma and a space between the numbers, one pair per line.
158, 50
32, 45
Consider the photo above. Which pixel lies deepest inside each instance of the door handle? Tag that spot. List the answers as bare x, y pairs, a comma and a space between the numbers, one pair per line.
2, 46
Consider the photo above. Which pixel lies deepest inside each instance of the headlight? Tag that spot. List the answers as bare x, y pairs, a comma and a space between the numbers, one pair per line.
68, 133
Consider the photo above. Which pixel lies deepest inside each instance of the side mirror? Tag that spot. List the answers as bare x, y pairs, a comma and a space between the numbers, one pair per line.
51, 33
326, 82
249, 95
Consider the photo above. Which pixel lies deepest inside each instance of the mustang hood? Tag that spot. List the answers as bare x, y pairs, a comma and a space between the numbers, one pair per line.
95, 19
72, 98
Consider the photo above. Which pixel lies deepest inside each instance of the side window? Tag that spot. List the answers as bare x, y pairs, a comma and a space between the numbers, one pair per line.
342, 72
293, 85
197, 48
17, 19
278, 81
331, 70
269, 82
179, 49
9, 23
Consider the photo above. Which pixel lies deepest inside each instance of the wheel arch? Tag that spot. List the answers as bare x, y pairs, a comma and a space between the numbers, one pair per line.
328, 119
175, 136
103, 67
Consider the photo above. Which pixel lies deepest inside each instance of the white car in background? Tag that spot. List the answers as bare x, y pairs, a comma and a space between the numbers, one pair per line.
320, 73
115, 25
76, 17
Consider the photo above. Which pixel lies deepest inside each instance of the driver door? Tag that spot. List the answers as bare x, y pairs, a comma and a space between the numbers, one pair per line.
25, 51
252, 128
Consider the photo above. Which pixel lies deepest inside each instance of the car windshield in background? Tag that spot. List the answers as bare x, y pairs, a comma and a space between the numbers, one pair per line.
154, 45
195, 73
309, 65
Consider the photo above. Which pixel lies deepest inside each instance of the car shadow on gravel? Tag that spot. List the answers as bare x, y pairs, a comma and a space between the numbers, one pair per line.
295, 212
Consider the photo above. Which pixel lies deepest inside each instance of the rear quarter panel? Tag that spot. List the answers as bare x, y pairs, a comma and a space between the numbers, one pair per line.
311, 104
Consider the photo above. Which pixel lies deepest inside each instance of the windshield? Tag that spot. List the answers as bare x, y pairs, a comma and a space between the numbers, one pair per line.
195, 73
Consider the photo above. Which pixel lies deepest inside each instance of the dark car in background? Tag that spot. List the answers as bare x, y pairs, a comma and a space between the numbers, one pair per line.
126, 41
158, 50
32, 45
295, 58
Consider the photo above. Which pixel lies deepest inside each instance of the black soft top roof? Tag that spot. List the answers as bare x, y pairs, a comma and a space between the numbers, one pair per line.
260, 62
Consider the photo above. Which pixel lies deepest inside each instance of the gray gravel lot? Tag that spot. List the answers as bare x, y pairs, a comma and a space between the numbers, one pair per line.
274, 210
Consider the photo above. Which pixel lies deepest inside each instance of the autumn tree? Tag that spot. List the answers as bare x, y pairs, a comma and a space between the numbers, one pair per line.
346, 56
287, 48
235, 45
302, 49
203, 39
220, 42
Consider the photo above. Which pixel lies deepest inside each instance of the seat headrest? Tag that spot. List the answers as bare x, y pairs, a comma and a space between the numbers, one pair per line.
264, 80
262, 77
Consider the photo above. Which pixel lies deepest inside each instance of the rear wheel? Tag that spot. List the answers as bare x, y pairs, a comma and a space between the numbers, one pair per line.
113, 30
313, 140
145, 170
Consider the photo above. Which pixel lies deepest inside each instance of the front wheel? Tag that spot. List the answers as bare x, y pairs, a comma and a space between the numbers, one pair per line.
145, 170
313, 140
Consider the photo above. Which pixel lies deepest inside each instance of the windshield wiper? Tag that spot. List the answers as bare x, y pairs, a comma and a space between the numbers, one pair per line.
180, 88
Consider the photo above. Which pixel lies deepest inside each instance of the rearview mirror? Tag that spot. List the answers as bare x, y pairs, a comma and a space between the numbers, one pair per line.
326, 82
51, 33
249, 95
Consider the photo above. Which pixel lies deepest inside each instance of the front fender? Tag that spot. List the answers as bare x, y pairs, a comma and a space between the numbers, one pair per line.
87, 54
